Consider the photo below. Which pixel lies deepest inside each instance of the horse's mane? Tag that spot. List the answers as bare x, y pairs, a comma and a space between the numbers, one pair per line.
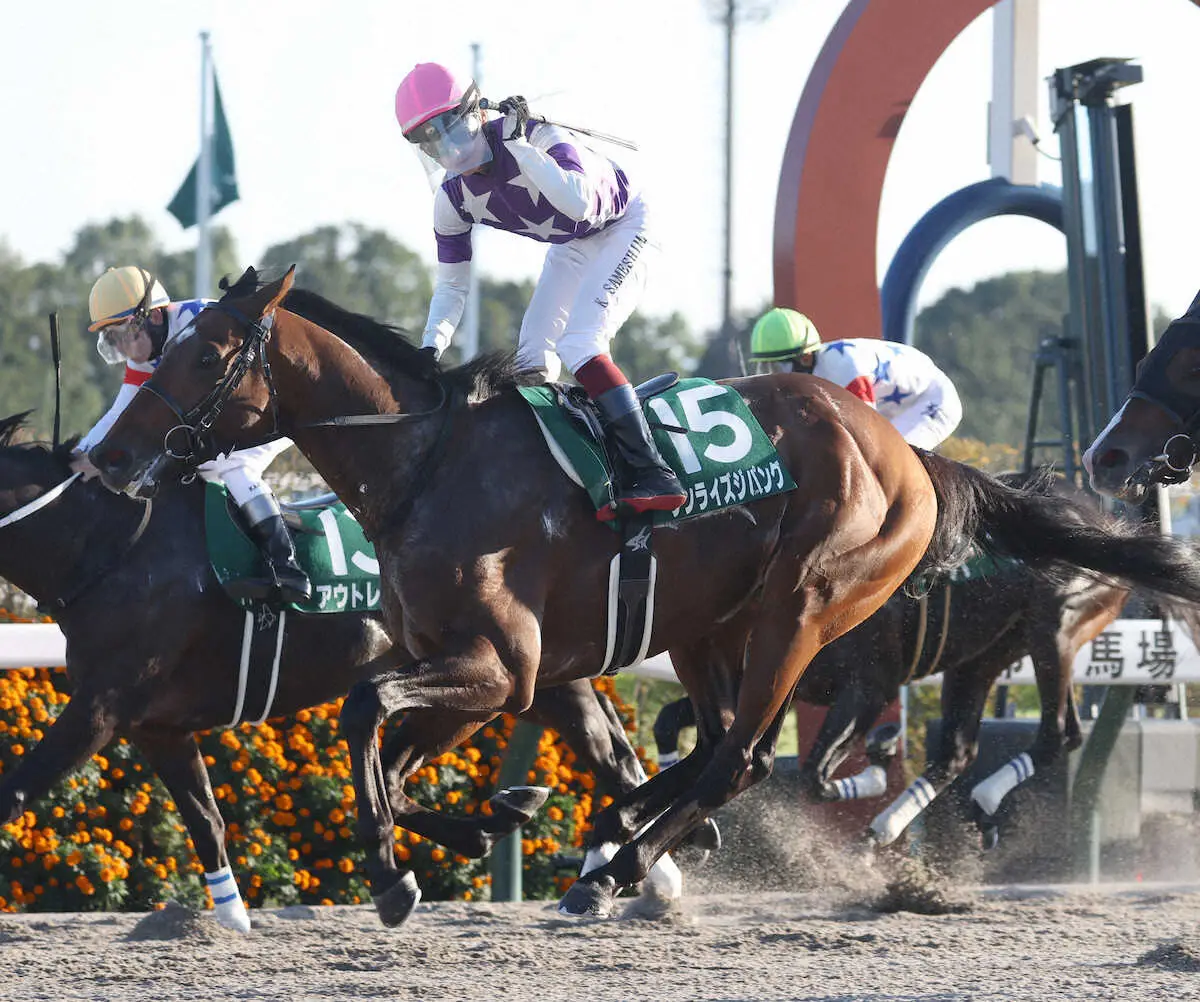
14, 423
388, 348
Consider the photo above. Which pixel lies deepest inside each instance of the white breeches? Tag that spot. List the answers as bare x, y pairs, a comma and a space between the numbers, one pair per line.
588, 288
931, 418
241, 471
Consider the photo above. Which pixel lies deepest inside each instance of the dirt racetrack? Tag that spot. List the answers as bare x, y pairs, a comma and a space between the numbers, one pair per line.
1007, 944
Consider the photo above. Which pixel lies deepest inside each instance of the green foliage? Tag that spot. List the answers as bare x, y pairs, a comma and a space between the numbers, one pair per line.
30, 292
985, 339
361, 269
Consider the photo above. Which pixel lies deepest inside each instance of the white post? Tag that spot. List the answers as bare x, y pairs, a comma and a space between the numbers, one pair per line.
470, 328
1011, 152
204, 175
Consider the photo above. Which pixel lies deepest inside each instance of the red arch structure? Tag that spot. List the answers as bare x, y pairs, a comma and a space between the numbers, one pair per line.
854, 102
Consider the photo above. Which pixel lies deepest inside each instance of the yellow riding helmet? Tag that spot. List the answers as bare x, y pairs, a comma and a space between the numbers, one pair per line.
782, 333
122, 292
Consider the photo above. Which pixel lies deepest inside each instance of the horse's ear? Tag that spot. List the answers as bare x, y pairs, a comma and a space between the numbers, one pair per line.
279, 290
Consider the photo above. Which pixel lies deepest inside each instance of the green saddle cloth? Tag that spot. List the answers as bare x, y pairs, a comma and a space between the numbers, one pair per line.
331, 548
722, 457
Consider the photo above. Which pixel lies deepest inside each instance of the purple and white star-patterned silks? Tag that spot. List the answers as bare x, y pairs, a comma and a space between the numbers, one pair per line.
505, 197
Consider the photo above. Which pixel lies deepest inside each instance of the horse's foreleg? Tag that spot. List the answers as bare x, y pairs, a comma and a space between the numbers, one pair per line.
964, 692
477, 683
81, 730
724, 768
589, 724
423, 735
853, 712
177, 761
1053, 651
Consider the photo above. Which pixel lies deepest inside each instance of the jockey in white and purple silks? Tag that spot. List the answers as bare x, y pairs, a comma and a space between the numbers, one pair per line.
540, 181
135, 321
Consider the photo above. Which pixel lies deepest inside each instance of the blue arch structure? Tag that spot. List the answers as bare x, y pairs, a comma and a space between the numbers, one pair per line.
941, 224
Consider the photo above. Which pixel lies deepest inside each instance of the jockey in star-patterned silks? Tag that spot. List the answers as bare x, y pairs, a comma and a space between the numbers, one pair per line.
135, 321
896, 379
542, 182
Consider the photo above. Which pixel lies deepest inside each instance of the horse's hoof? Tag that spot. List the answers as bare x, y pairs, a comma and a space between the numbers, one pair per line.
883, 743
707, 836
397, 902
989, 836
589, 897
518, 804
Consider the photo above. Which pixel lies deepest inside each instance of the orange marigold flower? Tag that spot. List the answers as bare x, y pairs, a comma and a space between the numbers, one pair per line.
84, 885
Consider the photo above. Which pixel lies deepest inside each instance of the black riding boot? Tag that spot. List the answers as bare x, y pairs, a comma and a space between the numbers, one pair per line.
277, 547
285, 577
650, 484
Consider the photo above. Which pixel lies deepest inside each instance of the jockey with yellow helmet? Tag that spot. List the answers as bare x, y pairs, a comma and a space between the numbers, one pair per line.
542, 182
135, 321
899, 381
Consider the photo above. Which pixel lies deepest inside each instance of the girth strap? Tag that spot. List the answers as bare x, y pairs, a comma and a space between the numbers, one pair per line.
631, 581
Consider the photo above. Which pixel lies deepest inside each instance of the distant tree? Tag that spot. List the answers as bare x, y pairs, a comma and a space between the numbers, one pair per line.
361, 269
985, 338
30, 292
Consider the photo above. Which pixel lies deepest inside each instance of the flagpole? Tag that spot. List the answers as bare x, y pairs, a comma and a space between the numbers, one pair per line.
204, 184
470, 339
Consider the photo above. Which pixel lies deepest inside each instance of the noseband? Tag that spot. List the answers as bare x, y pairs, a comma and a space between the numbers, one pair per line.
195, 424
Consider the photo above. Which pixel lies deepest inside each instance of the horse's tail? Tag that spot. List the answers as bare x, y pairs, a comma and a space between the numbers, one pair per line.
1049, 531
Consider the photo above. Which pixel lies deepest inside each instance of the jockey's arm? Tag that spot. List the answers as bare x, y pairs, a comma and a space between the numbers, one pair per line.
453, 280
551, 161
932, 415
124, 395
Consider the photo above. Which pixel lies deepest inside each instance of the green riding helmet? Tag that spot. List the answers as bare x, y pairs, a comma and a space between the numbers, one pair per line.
781, 334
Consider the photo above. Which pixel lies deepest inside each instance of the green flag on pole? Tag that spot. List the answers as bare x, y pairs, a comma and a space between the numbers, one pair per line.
224, 177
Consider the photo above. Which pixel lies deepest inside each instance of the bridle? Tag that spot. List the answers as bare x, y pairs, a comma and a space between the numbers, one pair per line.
88, 580
1180, 452
195, 423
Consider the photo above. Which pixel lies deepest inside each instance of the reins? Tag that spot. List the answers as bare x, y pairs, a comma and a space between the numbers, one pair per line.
52, 495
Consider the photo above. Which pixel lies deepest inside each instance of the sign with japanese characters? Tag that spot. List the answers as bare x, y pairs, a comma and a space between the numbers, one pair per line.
1129, 652
703, 429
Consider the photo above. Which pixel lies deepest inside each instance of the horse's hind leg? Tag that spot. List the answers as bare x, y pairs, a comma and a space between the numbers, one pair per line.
1052, 647
964, 692
853, 712
671, 719
177, 761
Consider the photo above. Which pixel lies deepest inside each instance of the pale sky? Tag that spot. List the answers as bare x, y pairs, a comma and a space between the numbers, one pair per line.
101, 119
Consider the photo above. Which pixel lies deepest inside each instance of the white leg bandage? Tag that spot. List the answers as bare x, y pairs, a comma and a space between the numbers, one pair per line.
888, 825
871, 782
991, 792
227, 900
667, 759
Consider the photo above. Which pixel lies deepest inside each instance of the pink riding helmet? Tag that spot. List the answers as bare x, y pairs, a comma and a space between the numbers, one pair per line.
428, 90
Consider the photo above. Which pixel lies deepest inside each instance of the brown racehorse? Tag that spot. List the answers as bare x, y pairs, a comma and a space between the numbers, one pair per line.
1153, 437
153, 654
969, 628
495, 568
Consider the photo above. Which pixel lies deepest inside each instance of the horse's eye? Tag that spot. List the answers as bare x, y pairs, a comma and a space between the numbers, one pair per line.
208, 358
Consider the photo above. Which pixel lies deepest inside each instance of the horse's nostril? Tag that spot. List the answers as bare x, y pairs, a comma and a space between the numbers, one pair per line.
1110, 458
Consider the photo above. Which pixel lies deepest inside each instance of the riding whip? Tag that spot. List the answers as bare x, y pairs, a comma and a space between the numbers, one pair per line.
57, 359
629, 144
